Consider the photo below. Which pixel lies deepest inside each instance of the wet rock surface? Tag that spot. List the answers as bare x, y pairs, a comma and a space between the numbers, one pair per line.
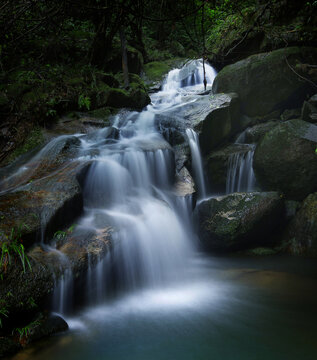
222, 121
301, 233
238, 221
285, 159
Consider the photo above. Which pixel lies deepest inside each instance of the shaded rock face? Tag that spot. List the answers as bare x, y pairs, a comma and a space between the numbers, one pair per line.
309, 110
221, 123
240, 220
301, 233
285, 159
266, 82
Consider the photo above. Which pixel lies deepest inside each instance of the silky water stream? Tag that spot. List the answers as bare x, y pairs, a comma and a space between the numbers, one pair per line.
173, 302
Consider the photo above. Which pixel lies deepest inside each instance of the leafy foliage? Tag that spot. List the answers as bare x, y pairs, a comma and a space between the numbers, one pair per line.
13, 248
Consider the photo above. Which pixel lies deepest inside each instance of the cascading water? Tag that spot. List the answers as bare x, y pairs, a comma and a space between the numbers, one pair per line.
129, 188
240, 174
197, 162
180, 304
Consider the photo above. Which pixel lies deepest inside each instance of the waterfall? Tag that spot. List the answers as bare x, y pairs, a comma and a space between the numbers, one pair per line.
129, 187
196, 161
240, 174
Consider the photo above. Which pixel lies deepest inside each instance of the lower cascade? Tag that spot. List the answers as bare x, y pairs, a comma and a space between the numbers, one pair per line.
129, 188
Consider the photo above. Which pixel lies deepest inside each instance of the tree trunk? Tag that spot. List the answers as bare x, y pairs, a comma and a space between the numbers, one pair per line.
124, 58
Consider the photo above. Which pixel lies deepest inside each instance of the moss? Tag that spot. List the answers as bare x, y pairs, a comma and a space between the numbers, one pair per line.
17, 89
103, 113
155, 70
34, 139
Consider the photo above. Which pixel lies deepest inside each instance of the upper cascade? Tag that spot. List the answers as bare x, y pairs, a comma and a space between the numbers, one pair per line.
191, 74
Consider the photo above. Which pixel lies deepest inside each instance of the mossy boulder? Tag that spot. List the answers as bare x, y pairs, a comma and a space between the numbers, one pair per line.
285, 159
269, 81
238, 221
222, 121
135, 97
301, 233
156, 70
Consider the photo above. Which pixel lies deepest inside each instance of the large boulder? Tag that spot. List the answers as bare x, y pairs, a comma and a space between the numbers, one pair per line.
285, 159
222, 121
302, 231
240, 220
269, 81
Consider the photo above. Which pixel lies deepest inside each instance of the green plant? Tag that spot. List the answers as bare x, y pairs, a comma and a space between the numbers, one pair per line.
13, 247
60, 235
84, 102
31, 302
3, 312
25, 331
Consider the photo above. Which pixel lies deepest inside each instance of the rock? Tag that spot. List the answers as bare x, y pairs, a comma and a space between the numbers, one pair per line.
301, 233
240, 220
25, 292
309, 110
291, 207
266, 82
8, 347
255, 133
184, 185
44, 206
290, 114
285, 159
182, 155
79, 123
221, 122
216, 167
36, 165
46, 325
215, 117
261, 251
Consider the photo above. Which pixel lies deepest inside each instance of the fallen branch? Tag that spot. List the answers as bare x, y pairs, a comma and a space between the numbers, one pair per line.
300, 76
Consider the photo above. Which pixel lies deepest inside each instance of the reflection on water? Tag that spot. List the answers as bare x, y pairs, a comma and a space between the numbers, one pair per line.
230, 308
